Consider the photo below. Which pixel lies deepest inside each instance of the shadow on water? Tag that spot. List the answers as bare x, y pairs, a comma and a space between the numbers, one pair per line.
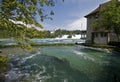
112, 70
43, 68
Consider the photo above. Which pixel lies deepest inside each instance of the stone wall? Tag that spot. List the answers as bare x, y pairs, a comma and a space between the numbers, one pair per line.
90, 20
112, 37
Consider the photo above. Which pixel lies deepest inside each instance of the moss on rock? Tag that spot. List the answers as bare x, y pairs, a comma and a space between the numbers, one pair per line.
3, 63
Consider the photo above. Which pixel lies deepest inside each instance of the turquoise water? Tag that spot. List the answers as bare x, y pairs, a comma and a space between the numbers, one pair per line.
43, 41
64, 64
52, 40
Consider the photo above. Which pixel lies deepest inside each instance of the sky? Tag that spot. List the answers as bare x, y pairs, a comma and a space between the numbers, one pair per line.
70, 14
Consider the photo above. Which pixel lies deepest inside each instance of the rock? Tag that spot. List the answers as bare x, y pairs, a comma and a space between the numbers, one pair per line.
2, 78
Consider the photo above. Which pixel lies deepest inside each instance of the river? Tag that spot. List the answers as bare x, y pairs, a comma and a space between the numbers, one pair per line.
63, 64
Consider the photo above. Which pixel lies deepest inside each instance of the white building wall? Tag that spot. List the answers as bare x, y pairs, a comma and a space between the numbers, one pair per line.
100, 40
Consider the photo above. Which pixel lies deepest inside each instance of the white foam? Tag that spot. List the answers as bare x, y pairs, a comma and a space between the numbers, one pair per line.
31, 56
78, 53
99, 49
11, 75
84, 55
39, 77
66, 80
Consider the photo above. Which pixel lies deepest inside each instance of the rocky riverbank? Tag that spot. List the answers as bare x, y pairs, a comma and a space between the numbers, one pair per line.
109, 47
5, 54
3, 67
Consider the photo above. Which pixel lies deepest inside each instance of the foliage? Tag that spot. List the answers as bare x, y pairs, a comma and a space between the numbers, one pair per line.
114, 44
110, 18
3, 63
59, 32
33, 33
16, 15
24, 12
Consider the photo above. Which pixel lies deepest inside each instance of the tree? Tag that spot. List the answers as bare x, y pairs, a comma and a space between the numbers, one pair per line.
25, 11
110, 18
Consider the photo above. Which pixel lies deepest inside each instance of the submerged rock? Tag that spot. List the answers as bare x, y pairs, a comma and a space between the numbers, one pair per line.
2, 77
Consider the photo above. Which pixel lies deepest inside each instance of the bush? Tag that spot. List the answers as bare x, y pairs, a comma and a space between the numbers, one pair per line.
114, 44
70, 36
3, 63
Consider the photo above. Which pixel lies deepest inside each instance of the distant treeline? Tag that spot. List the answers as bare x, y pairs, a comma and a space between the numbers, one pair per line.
33, 33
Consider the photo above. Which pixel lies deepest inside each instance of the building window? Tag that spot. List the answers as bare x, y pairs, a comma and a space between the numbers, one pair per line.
103, 34
96, 34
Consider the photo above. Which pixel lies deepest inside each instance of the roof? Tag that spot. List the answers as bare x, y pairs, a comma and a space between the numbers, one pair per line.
101, 6
101, 31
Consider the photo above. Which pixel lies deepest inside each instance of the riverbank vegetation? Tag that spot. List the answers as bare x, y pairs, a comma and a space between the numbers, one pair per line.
17, 16
104, 46
3, 63
35, 44
34, 33
3, 67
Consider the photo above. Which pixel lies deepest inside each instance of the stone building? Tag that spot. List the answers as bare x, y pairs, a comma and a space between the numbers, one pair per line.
98, 36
